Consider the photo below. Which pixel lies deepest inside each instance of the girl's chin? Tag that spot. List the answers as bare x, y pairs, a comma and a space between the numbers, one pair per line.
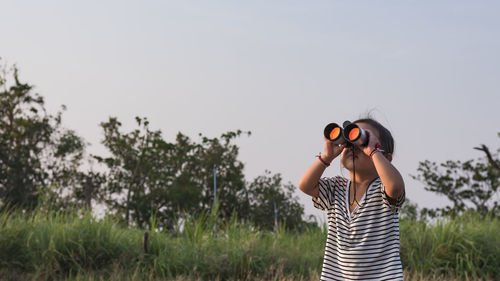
359, 166
348, 162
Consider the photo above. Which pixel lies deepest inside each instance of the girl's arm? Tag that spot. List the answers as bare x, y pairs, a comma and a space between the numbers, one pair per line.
309, 181
390, 176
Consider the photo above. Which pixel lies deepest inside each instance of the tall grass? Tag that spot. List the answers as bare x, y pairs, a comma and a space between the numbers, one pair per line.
467, 247
75, 246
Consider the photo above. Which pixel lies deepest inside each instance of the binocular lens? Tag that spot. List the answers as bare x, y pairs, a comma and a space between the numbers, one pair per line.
335, 133
354, 134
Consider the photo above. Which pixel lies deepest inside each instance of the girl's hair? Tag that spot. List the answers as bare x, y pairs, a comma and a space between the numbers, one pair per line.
386, 139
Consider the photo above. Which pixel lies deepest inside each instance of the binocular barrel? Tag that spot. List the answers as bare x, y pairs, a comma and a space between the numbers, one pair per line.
334, 133
351, 133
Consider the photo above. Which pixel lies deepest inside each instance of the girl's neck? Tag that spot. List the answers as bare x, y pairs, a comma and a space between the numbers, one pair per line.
363, 178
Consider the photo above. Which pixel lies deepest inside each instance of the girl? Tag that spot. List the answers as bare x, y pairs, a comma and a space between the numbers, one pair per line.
363, 224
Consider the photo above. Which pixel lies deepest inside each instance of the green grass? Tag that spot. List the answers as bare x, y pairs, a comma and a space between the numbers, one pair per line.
467, 247
78, 247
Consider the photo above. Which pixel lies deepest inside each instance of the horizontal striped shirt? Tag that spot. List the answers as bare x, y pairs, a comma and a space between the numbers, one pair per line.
362, 244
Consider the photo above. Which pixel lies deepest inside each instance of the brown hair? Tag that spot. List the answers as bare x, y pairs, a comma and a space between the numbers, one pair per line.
386, 139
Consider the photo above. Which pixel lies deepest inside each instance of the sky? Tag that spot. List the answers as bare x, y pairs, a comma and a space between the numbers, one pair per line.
427, 70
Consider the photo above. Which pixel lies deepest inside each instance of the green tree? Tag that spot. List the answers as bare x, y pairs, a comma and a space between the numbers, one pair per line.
410, 211
148, 176
222, 154
37, 155
139, 173
267, 192
70, 185
469, 185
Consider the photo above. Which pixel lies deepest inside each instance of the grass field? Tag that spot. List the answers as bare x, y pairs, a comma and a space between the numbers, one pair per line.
55, 246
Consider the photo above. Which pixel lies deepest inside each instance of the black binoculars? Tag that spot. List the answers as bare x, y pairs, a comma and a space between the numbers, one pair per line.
349, 132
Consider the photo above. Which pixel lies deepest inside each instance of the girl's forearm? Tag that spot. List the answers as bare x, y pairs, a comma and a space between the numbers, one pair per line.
309, 181
390, 176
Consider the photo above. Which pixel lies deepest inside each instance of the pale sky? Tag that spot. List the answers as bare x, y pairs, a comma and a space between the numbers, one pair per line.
429, 71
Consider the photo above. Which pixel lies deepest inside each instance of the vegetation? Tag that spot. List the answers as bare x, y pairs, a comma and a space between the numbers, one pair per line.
156, 194
471, 185
36, 154
143, 176
56, 246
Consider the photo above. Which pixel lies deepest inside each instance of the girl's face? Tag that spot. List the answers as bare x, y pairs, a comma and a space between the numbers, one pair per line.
362, 162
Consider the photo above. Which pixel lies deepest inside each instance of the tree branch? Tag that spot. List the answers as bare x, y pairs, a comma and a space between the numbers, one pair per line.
492, 161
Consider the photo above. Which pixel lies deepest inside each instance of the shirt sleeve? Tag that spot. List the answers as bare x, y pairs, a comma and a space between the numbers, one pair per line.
326, 191
394, 204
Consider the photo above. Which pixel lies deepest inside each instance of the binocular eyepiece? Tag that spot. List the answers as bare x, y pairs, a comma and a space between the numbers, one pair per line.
349, 132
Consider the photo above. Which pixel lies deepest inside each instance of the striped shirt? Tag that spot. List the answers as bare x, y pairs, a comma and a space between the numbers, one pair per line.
364, 244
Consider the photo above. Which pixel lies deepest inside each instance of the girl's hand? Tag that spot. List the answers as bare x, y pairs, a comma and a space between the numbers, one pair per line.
372, 141
331, 150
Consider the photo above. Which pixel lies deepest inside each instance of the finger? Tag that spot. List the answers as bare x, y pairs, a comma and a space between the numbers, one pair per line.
340, 147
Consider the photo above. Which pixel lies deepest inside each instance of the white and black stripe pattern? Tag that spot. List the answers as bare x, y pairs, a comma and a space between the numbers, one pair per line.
364, 244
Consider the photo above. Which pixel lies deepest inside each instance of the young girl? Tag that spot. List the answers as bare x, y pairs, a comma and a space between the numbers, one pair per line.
363, 224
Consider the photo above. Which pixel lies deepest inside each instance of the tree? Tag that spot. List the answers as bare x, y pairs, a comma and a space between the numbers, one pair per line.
148, 176
470, 185
36, 153
267, 192
222, 154
139, 173
410, 211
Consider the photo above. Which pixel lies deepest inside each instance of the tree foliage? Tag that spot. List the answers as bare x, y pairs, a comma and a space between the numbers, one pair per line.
220, 153
144, 178
469, 185
269, 197
148, 176
141, 179
37, 155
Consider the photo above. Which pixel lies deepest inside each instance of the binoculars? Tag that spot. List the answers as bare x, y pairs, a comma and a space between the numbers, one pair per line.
349, 132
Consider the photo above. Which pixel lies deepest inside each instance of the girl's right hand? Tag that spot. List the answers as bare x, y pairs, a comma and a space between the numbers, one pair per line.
331, 150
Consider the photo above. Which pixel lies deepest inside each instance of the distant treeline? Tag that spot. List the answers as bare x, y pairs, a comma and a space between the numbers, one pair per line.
144, 176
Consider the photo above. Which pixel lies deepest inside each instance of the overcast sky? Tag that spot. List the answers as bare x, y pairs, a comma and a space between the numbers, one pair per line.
428, 70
